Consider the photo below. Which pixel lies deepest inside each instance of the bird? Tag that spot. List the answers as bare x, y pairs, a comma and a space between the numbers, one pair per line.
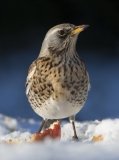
58, 82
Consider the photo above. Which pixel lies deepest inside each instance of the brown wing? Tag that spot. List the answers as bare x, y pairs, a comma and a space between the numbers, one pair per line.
31, 71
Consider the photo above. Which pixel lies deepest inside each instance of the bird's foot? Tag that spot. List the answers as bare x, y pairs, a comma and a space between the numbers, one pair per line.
75, 138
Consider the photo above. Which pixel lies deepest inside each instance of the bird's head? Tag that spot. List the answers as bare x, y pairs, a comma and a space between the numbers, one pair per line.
61, 39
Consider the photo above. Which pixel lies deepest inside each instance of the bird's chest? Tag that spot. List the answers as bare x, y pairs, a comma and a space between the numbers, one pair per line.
60, 80
69, 80
54, 87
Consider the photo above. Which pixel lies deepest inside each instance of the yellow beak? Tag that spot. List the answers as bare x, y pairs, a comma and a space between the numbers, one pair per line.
79, 29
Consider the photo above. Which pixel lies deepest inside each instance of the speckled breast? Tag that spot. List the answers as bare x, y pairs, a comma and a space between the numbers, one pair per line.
58, 88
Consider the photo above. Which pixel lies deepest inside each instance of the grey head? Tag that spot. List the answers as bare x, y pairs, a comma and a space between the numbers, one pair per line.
61, 39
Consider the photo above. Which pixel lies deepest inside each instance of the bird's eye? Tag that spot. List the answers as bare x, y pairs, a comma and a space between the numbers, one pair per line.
61, 32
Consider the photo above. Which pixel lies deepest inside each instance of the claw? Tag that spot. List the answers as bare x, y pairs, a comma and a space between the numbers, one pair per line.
75, 138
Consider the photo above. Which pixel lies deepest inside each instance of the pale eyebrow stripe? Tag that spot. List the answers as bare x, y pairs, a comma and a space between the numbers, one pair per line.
50, 33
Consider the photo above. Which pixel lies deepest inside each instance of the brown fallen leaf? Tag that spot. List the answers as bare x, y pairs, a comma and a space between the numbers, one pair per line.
98, 138
12, 141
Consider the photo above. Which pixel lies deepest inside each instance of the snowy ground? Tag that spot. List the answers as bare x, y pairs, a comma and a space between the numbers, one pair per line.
84, 149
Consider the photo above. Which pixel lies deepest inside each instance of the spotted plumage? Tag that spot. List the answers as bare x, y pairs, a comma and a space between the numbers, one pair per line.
57, 83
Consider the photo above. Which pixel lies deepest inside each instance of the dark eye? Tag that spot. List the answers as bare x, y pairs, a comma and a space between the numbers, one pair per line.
61, 33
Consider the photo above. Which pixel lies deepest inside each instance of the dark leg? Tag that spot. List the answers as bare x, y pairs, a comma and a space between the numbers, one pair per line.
42, 125
72, 120
74, 129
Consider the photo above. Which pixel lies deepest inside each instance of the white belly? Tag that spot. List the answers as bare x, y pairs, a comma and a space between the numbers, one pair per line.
54, 109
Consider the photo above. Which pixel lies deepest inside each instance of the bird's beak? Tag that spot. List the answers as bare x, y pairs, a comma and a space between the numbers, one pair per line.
79, 29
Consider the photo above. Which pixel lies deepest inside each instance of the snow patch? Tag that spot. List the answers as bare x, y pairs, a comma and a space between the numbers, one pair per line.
85, 148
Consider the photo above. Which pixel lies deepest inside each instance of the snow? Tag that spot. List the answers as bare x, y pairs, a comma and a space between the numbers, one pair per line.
84, 149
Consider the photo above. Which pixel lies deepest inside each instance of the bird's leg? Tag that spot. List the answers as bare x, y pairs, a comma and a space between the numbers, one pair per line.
72, 120
42, 125
74, 129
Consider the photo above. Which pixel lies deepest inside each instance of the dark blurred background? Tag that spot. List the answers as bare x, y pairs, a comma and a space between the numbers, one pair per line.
23, 25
